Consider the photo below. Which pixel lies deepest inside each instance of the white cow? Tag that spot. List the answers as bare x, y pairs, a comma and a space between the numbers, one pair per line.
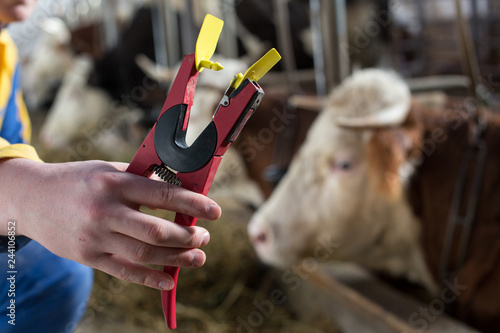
334, 204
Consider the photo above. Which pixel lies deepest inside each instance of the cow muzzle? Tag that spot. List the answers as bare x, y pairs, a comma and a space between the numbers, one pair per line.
263, 240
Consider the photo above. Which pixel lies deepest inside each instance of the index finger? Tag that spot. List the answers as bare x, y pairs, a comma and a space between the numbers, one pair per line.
157, 194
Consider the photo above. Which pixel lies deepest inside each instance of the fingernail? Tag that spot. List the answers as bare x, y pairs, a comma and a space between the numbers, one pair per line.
213, 211
166, 285
197, 259
205, 239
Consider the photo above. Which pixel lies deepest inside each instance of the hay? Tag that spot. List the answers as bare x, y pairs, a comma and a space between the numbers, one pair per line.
218, 297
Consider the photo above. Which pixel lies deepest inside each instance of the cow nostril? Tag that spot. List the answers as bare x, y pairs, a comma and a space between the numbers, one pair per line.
261, 238
258, 237
258, 234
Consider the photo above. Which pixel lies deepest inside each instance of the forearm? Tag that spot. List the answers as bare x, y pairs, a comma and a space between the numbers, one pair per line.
17, 178
14, 159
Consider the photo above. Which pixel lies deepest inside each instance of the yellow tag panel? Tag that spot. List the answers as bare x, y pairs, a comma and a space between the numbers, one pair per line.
207, 42
259, 68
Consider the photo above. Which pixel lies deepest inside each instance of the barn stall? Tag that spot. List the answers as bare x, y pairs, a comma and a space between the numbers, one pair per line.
322, 43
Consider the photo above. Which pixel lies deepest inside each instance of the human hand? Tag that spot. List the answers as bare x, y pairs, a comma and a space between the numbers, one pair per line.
89, 212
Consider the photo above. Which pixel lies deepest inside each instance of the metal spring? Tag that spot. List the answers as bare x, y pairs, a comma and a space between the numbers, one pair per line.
166, 174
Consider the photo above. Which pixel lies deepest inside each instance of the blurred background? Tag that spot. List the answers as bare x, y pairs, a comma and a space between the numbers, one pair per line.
95, 75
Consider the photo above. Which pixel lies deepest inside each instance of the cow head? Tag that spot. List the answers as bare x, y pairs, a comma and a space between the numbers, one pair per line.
345, 187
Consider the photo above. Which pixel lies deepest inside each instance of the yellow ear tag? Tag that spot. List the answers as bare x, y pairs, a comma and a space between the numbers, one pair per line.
207, 42
259, 68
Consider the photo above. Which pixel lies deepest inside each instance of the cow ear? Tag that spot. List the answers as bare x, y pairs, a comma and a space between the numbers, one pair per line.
389, 149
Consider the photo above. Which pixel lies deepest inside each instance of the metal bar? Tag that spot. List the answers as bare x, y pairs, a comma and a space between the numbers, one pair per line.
318, 49
109, 32
438, 82
363, 303
470, 62
343, 61
421, 37
159, 37
366, 310
337, 60
229, 45
481, 157
475, 22
171, 26
188, 34
285, 42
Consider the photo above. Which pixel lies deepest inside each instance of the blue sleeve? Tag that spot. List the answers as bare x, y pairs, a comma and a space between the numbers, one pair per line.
11, 130
20, 242
12, 127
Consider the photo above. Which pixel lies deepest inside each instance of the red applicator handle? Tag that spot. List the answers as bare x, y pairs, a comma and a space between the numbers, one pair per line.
200, 182
168, 297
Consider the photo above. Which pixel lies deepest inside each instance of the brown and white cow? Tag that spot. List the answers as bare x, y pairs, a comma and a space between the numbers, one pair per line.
376, 176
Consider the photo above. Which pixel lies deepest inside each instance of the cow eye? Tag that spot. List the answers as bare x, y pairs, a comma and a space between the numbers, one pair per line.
343, 162
343, 165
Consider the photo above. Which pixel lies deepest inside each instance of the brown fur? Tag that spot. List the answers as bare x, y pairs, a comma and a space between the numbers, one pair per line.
287, 136
436, 140
430, 194
389, 148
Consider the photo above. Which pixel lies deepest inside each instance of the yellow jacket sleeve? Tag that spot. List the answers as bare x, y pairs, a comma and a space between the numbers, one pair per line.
19, 150
15, 126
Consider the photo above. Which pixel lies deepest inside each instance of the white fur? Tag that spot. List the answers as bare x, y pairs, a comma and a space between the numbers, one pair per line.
319, 202
371, 98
